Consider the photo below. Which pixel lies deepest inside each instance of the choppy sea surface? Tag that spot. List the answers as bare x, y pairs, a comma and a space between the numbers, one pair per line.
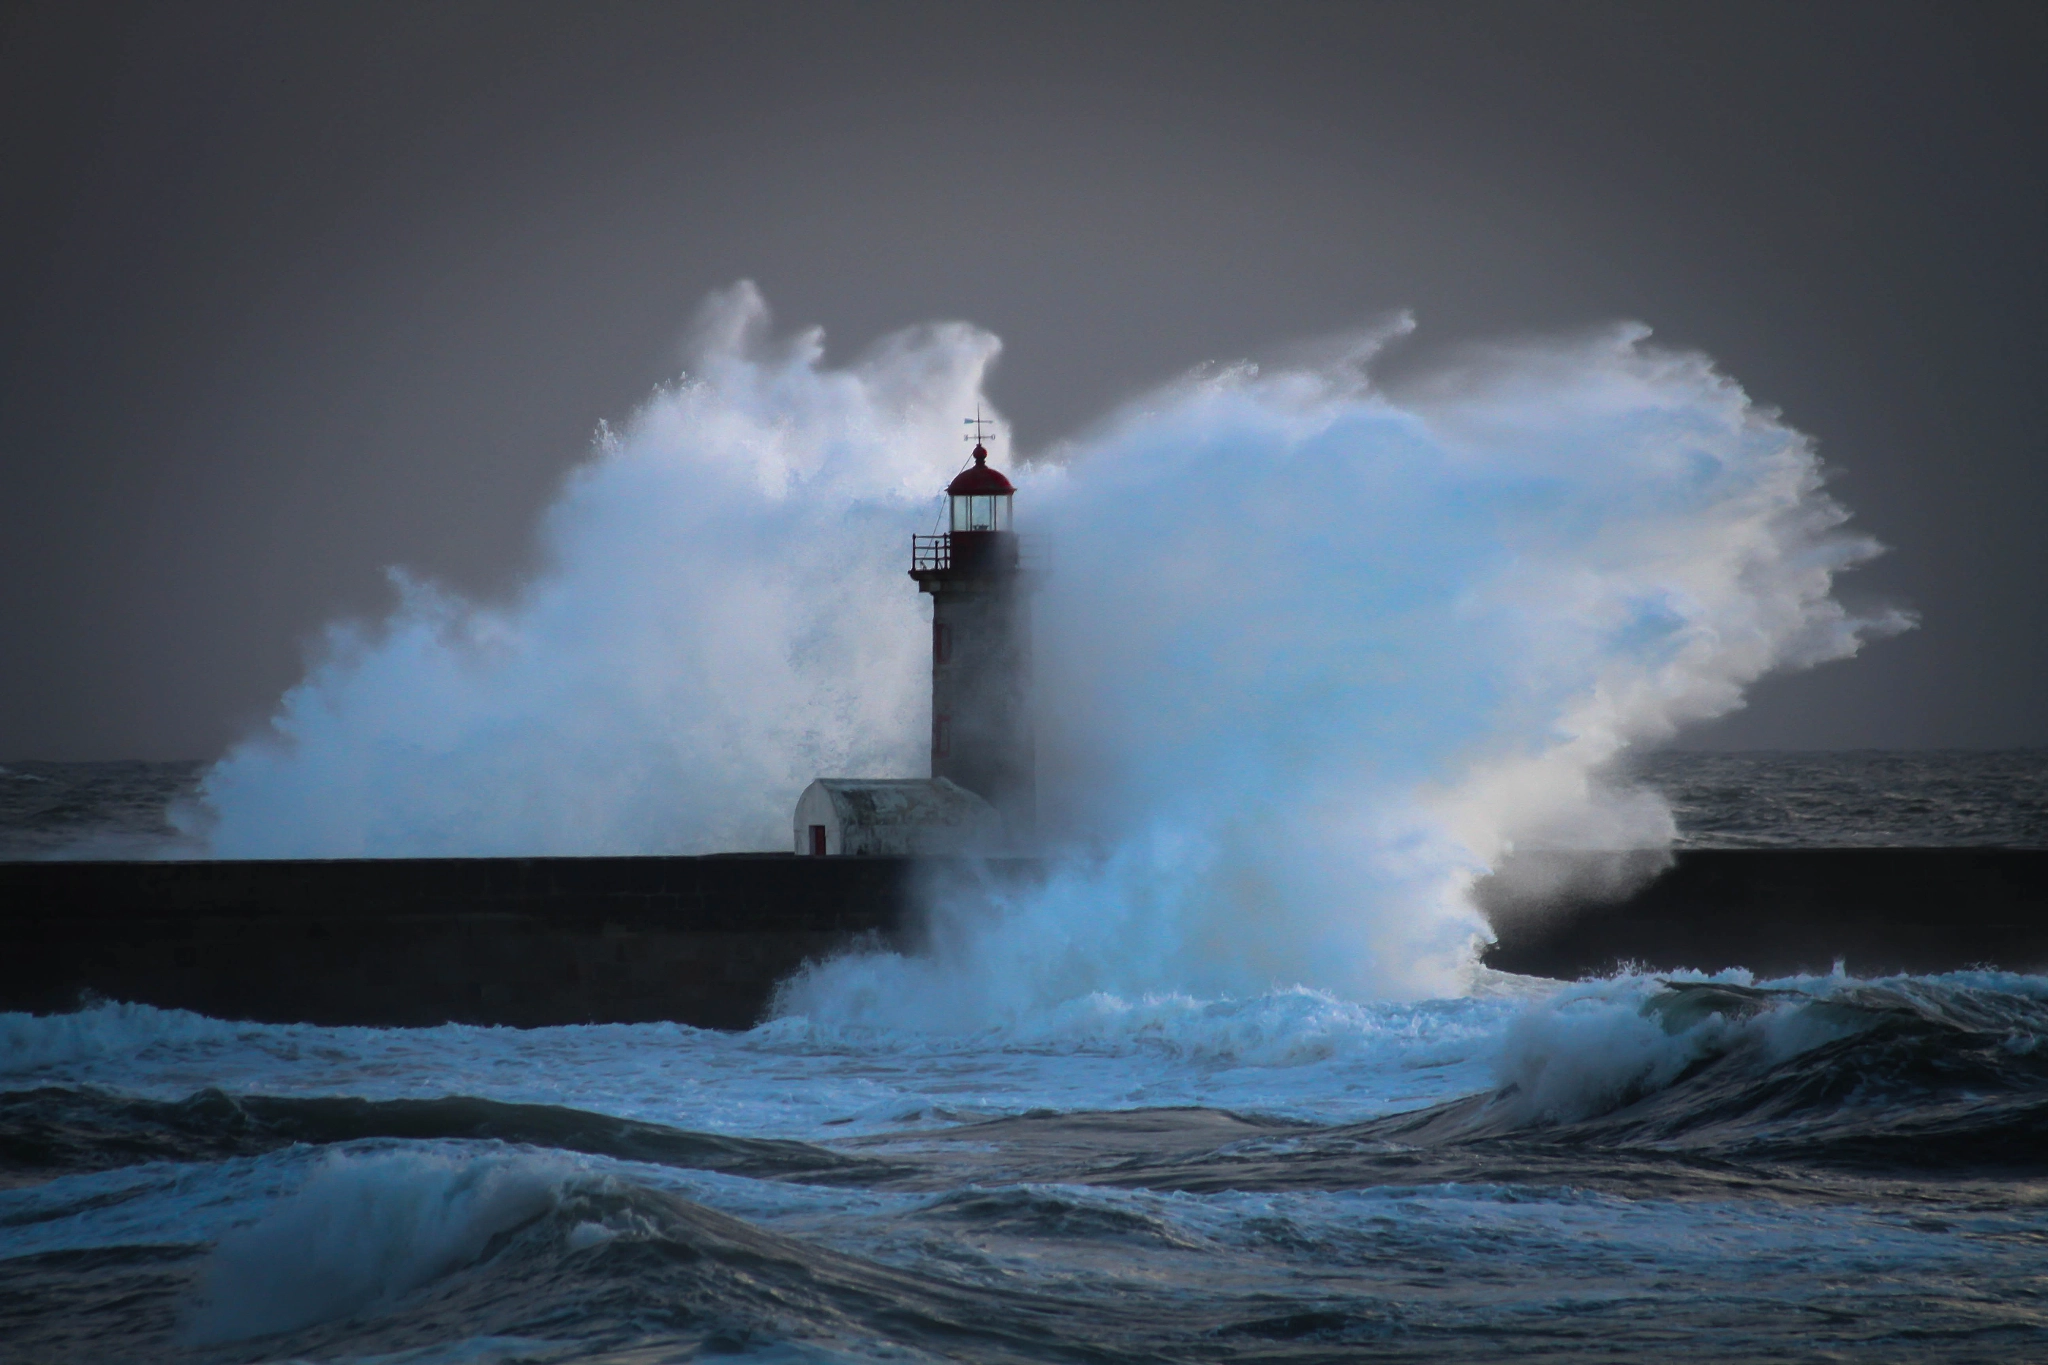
1911, 798
1922, 797
1725, 1169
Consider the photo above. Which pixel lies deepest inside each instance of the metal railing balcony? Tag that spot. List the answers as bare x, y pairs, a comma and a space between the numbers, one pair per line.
930, 554
934, 554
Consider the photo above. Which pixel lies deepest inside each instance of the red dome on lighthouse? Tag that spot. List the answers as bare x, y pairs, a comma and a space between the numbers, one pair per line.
979, 480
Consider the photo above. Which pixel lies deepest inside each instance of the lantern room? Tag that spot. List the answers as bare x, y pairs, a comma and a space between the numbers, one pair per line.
980, 497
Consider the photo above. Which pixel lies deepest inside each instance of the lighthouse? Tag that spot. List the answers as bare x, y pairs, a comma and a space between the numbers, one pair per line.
982, 795
981, 647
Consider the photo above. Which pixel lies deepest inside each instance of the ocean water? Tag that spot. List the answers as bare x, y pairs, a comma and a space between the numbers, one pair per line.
1812, 1169
1909, 798
1821, 1168
1913, 798
95, 810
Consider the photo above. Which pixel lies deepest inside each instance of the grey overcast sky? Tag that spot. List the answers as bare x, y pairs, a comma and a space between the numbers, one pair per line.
289, 293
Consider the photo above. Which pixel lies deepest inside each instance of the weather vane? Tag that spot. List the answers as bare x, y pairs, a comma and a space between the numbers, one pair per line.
977, 422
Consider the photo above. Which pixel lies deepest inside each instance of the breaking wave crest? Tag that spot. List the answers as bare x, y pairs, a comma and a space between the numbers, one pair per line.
365, 1230
1905, 1071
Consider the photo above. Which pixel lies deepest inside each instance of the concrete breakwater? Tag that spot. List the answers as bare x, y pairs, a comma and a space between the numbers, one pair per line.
1776, 911
533, 941
521, 941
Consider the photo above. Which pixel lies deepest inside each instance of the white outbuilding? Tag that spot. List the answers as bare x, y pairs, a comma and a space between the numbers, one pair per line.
906, 816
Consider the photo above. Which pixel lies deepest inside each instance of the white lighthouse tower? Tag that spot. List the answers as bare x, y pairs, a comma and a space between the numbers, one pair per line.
982, 795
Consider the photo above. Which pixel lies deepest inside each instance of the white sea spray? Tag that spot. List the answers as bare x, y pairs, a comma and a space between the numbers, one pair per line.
1314, 654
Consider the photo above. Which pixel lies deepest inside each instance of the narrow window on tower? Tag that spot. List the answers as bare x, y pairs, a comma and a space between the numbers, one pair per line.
942, 643
817, 841
942, 736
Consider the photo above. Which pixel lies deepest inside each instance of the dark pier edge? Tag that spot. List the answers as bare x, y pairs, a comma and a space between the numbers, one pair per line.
396, 942
1776, 911
534, 941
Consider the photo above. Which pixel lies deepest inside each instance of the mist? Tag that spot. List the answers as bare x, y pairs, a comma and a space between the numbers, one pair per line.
1313, 653
722, 617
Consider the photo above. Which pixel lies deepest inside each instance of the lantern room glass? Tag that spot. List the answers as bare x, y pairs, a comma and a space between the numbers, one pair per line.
981, 512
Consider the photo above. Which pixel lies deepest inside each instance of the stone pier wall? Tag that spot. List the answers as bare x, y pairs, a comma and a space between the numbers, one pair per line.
523, 941
532, 941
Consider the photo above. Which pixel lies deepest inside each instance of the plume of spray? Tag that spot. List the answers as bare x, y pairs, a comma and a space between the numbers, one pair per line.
721, 617
1316, 657
1315, 654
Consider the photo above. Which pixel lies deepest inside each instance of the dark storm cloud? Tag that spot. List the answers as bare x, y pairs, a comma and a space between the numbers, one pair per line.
294, 293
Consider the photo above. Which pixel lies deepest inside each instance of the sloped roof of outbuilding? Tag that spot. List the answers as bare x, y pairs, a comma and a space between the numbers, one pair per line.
873, 801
